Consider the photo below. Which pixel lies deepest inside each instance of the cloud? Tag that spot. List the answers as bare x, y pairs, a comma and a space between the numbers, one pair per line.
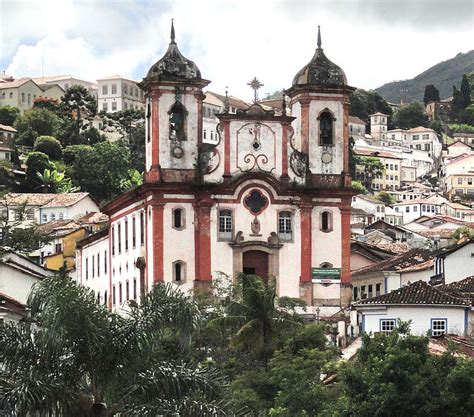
374, 41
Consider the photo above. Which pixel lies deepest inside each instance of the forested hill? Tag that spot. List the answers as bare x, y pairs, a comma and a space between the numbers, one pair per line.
443, 76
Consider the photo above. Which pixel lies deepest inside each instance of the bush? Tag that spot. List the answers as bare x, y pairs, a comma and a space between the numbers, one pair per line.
36, 163
71, 152
27, 138
50, 146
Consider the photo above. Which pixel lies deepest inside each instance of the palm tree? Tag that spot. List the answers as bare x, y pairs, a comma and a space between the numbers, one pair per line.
73, 357
255, 314
53, 181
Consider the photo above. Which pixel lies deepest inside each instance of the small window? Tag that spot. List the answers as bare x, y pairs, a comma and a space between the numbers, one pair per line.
114, 106
326, 221
142, 228
126, 234
105, 297
114, 88
105, 106
134, 288
377, 289
105, 90
127, 290
438, 326
98, 264
93, 266
87, 268
387, 325
119, 238
178, 218
120, 293
113, 241
285, 230
44, 218
134, 232
114, 300
225, 224
179, 272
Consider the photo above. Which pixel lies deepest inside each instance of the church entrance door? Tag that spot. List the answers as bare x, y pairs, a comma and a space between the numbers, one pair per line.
255, 262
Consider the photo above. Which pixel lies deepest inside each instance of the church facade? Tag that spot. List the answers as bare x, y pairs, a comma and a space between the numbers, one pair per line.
271, 197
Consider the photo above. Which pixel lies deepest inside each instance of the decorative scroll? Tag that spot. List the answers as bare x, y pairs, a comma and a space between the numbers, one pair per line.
209, 158
256, 148
299, 161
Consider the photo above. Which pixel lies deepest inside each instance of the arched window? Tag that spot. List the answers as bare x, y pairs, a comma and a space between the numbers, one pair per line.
225, 224
114, 300
178, 218
285, 230
120, 293
127, 290
179, 272
326, 128
326, 221
177, 121
134, 288
105, 297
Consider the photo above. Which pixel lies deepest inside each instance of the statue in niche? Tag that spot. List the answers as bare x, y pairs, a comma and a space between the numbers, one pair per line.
255, 227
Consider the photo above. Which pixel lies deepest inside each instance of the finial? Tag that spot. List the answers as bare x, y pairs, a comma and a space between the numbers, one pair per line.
319, 37
283, 105
226, 100
172, 36
255, 85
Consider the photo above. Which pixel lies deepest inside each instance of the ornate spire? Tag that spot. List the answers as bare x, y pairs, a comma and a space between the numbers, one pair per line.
172, 35
226, 100
319, 37
255, 85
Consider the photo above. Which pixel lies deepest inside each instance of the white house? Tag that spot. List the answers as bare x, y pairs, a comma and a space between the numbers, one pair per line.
43, 208
428, 308
369, 205
454, 263
357, 129
412, 209
18, 274
117, 93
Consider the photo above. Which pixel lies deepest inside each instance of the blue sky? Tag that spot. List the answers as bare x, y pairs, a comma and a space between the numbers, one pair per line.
374, 41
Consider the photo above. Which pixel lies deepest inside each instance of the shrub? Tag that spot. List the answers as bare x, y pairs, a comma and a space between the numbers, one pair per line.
50, 146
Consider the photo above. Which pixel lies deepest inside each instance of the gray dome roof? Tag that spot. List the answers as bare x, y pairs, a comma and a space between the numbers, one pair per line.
174, 66
320, 70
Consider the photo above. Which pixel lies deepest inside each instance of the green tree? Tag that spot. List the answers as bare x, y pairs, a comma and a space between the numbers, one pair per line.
104, 170
359, 187
42, 121
255, 316
50, 146
363, 103
385, 197
372, 169
8, 115
458, 102
463, 231
410, 115
431, 94
74, 357
52, 181
36, 162
72, 152
467, 116
465, 91
396, 376
80, 105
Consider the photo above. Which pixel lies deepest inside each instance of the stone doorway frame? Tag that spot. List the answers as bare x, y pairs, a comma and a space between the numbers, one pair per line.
273, 251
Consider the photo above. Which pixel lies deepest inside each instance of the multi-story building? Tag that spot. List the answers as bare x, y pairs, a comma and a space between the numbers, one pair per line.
467, 138
116, 93
412, 209
423, 139
357, 129
22, 93
7, 133
65, 81
378, 127
369, 205
458, 176
271, 197
390, 178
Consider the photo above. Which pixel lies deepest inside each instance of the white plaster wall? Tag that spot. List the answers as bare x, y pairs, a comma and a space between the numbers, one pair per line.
99, 283
179, 244
189, 145
460, 264
337, 151
420, 315
16, 284
326, 247
84, 206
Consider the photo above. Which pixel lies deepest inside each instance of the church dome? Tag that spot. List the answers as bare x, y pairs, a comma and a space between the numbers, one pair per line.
174, 66
320, 71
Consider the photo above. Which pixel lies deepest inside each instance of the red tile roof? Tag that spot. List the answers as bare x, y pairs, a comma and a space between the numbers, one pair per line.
417, 293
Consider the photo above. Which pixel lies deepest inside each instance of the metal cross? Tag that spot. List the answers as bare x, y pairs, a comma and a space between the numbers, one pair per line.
255, 85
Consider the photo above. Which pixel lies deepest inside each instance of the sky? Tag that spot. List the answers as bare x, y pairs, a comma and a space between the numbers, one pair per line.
232, 41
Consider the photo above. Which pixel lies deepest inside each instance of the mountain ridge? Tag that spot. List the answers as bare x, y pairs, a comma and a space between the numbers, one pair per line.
442, 75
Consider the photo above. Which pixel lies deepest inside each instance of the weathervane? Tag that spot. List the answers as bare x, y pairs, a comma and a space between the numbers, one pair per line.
255, 85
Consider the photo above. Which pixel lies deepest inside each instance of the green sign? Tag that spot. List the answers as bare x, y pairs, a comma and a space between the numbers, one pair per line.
325, 273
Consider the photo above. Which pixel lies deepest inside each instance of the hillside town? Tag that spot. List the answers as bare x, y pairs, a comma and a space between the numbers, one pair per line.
353, 214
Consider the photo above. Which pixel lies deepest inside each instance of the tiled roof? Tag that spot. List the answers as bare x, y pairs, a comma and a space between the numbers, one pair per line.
44, 200
420, 129
417, 293
356, 120
466, 285
401, 262
453, 248
66, 199
15, 84
233, 101
375, 153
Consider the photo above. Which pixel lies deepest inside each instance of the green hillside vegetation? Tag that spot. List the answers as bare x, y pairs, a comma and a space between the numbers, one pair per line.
443, 75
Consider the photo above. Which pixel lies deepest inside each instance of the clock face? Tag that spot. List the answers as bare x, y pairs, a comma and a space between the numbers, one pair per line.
326, 158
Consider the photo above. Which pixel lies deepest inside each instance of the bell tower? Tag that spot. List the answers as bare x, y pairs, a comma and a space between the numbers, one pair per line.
320, 102
173, 94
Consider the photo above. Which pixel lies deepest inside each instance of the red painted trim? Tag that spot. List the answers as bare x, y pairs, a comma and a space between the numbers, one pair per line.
109, 301
158, 244
154, 173
284, 151
306, 243
226, 148
305, 126
346, 245
202, 240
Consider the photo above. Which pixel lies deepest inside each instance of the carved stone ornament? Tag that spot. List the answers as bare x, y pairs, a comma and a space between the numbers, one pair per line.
326, 158
255, 226
299, 163
239, 237
255, 202
273, 239
209, 158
